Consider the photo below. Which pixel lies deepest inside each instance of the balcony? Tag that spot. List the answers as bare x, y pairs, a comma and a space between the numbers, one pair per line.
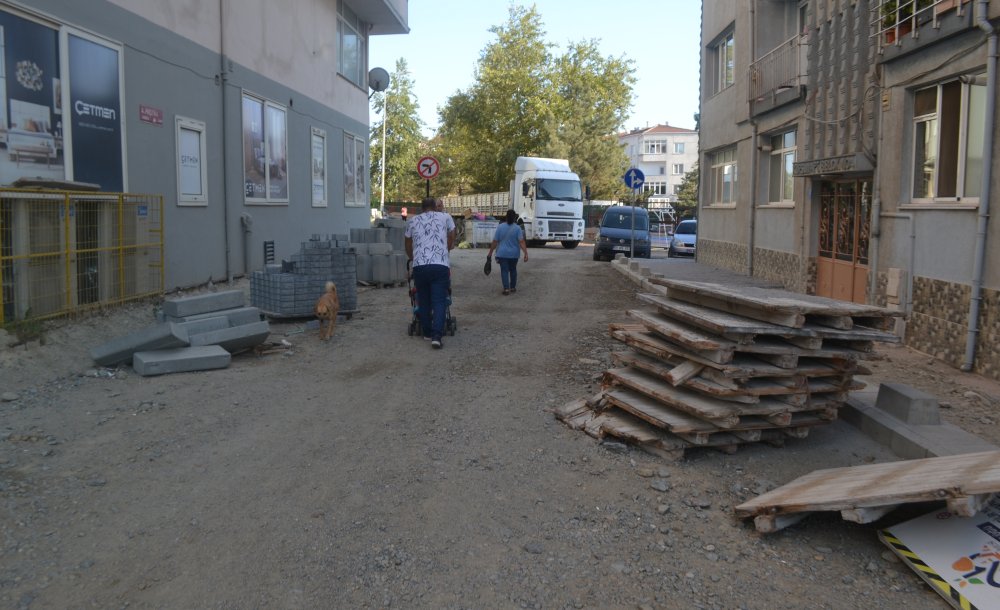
898, 25
775, 78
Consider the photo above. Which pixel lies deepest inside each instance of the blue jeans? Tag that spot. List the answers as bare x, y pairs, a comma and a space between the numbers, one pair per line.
432, 298
508, 272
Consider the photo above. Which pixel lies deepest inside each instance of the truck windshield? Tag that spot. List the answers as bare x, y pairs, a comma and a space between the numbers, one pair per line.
557, 190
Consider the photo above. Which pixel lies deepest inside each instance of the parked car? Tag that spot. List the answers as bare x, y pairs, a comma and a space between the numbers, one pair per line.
616, 232
685, 239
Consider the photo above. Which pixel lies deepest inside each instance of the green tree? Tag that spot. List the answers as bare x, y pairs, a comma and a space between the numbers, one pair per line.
527, 102
504, 114
404, 143
687, 197
592, 96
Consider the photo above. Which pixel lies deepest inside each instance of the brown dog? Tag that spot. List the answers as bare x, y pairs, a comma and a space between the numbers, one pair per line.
326, 309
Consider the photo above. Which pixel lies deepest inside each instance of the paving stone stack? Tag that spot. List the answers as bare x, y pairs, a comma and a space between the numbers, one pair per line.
195, 333
290, 290
381, 254
719, 366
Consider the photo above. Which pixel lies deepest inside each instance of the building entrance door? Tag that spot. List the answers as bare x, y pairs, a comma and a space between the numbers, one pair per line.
844, 230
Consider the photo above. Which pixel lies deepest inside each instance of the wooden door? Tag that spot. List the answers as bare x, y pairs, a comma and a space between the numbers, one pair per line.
844, 229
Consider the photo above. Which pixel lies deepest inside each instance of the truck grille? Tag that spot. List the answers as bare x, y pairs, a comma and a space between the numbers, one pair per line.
561, 226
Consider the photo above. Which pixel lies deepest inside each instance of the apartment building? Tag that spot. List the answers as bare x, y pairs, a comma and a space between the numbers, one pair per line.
249, 117
664, 154
846, 148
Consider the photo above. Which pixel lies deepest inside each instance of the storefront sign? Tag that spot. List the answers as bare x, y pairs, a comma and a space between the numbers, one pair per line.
833, 165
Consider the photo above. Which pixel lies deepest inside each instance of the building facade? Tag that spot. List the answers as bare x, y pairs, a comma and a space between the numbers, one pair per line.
664, 154
845, 145
250, 118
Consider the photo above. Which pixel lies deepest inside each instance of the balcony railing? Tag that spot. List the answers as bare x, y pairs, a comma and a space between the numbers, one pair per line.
894, 19
775, 71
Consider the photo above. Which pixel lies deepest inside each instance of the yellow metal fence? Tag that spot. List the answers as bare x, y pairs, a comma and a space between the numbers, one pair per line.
62, 252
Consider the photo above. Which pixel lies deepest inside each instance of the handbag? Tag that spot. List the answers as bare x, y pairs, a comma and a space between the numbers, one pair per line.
488, 266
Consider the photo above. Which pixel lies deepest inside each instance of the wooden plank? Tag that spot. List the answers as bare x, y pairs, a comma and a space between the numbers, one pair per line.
657, 414
739, 328
681, 373
773, 315
968, 506
743, 366
626, 427
921, 480
774, 299
867, 515
680, 333
721, 413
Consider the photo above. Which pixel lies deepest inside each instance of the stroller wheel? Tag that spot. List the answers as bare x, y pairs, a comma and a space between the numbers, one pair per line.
452, 326
409, 329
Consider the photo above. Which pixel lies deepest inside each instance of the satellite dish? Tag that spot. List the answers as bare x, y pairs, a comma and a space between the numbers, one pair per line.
378, 79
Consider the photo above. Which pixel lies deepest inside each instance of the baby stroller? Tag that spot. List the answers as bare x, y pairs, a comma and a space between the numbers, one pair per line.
450, 323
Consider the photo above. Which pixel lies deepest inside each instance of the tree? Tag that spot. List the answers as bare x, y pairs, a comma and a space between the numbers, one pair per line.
687, 196
404, 143
592, 96
527, 102
505, 112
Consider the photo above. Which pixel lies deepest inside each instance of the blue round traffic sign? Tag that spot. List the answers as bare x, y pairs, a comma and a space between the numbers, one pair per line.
634, 178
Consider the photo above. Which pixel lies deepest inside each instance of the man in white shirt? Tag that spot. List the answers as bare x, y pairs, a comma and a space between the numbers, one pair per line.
429, 237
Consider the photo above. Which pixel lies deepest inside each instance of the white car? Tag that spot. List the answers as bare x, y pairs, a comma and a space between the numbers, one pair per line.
685, 239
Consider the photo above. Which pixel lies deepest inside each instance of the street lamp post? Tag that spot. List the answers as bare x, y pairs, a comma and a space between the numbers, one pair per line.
378, 80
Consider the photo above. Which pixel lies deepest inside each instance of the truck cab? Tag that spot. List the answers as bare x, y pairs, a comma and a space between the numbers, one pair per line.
548, 200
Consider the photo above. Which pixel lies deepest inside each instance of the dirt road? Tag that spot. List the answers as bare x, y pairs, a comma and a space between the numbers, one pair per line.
373, 471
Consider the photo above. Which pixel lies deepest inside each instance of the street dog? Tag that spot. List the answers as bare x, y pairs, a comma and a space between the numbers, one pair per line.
326, 309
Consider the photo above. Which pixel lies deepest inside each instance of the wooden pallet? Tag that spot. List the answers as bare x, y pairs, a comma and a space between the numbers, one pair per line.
864, 493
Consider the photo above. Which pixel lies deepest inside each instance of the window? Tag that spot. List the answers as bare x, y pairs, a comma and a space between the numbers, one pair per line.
318, 143
782, 160
722, 63
677, 169
654, 147
678, 148
722, 177
677, 189
355, 174
192, 171
949, 120
351, 42
655, 188
265, 162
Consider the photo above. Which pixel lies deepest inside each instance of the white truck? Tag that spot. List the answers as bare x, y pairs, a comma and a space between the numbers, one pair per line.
545, 195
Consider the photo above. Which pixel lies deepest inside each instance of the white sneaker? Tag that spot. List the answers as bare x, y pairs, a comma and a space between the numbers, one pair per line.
436, 343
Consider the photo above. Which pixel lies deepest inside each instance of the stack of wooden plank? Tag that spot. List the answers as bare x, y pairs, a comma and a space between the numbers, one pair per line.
719, 366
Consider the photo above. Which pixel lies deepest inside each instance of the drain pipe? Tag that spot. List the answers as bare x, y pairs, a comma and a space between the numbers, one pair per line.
223, 80
876, 212
754, 153
979, 263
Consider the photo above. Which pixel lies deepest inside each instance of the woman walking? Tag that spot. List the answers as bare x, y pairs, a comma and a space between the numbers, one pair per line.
507, 241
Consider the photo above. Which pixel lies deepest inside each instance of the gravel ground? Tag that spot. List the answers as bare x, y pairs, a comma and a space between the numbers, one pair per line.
371, 471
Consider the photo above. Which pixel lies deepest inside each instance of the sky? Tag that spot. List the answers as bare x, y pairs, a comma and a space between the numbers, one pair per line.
661, 36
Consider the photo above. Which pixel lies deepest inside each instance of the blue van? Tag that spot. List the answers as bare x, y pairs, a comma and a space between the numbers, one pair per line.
616, 232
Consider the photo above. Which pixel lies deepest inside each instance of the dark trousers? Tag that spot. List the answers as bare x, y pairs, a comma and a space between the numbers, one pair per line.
508, 272
432, 298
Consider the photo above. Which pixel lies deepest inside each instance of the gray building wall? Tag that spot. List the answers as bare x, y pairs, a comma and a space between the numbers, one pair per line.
169, 67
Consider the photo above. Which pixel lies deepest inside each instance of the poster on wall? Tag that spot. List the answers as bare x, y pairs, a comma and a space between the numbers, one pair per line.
318, 167
253, 149
30, 121
95, 113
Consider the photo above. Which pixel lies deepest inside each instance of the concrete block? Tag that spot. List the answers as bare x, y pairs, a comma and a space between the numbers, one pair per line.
237, 317
203, 303
380, 248
362, 248
204, 325
364, 268
180, 360
234, 339
380, 269
121, 349
908, 404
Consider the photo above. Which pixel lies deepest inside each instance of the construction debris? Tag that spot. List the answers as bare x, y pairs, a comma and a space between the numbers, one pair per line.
717, 366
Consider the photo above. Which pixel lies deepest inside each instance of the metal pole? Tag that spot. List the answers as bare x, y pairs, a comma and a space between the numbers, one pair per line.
631, 253
428, 188
385, 118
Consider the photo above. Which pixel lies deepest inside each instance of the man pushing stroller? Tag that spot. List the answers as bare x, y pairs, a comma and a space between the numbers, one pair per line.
430, 235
